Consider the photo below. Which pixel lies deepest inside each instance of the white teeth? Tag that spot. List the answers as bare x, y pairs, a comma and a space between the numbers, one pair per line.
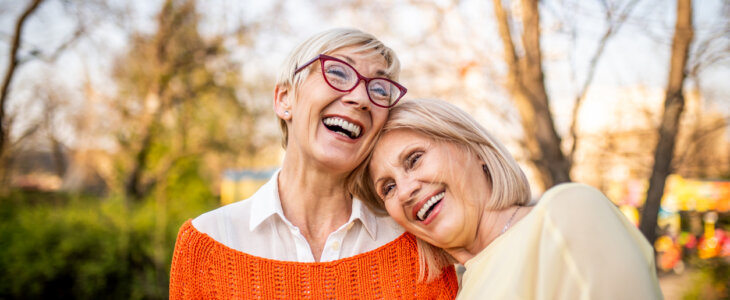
422, 212
342, 123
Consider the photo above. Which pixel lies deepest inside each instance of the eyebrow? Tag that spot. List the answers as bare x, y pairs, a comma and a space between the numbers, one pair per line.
378, 73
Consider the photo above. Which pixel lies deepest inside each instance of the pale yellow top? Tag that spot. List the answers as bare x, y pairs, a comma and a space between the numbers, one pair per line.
574, 244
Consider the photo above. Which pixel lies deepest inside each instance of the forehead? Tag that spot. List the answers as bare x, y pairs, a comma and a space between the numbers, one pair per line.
370, 61
392, 143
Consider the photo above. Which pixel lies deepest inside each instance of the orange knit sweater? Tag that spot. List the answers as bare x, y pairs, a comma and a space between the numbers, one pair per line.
203, 268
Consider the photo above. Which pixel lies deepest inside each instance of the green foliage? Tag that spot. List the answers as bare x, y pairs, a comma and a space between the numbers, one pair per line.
179, 114
56, 245
712, 280
178, 96
67, 250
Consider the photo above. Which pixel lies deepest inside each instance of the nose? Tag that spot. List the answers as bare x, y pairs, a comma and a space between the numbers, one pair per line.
358, 97
407, 190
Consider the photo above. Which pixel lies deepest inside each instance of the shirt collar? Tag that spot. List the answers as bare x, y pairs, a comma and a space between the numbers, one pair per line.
266, 203
365, 215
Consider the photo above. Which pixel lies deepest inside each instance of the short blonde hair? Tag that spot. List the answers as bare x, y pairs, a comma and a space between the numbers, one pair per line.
444, 122
325, 43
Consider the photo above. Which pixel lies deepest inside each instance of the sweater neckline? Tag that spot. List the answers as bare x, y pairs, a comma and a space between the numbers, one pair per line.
405, 237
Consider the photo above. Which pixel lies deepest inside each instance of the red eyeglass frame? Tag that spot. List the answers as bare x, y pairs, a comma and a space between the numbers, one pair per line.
322, 58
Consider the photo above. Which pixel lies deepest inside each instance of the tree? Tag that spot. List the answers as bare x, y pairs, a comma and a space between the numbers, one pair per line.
525, 82
45, 54
171, 85
13, 63
669, 127
526, 85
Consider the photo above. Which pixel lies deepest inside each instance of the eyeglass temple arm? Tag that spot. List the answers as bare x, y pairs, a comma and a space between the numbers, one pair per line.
306, 64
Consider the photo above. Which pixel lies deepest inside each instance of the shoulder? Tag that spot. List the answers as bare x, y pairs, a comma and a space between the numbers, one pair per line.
575, 200
189, 237
583, 217
218, 222
573, 194
579, 211
215, 222
191, 247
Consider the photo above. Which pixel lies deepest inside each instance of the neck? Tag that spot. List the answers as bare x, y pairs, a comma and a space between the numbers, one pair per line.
314, 200
490, 227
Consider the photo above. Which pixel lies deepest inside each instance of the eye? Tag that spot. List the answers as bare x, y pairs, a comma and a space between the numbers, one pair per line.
386, 189
379, 89
337, 71
338, 74
412, 159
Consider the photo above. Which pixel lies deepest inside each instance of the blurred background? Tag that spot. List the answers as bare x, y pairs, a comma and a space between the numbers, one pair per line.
122, 119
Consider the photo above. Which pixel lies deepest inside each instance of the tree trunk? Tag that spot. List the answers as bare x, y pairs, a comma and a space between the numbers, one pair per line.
673, 107
12, 66
526, 85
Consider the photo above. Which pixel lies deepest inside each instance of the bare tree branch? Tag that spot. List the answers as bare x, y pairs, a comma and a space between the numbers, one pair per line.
611, 30
698, 136
12, 66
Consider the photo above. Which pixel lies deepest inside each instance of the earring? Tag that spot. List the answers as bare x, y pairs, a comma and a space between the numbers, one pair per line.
286, 113
484, 167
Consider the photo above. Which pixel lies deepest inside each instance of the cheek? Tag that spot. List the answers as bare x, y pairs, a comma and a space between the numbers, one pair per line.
396, 212
380, 115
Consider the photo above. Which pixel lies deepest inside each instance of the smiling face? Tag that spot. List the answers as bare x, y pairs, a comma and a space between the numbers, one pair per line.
435, 190
331, 129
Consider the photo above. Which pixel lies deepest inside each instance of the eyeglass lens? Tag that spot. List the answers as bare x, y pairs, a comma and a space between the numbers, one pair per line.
344, 78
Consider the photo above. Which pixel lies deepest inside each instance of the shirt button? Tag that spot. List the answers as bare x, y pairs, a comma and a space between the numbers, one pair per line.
335, 246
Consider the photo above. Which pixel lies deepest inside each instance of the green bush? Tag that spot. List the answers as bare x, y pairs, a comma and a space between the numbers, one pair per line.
55, 245
712, 280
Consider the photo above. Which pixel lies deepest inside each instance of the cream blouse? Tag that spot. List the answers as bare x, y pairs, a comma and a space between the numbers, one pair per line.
574, 244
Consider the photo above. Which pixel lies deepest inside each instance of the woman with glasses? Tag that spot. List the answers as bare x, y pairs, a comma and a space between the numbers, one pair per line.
445, 179
302, 234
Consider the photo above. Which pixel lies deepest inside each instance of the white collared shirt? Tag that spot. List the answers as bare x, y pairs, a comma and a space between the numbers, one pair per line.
257, 226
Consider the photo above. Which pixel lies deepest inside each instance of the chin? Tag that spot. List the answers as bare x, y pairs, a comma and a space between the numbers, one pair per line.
340, 164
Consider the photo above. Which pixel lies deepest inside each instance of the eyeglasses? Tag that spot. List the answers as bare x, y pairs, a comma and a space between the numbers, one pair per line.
342, 77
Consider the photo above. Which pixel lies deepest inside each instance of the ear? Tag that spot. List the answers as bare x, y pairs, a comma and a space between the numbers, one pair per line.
283, 102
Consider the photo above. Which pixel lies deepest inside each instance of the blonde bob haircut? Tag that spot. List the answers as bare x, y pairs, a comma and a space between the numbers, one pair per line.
325, 43
444, 122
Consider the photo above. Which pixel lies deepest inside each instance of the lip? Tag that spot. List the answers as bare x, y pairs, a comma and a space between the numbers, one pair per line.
417, 207
348, 119
434, 212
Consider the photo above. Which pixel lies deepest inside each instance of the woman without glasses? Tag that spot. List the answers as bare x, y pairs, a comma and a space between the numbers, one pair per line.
441, 176
302, 235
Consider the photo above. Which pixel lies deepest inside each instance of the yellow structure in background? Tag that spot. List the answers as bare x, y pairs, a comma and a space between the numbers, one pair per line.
680, 194
697, 195
241, 184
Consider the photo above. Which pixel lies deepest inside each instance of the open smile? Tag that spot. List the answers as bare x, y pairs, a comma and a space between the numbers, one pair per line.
341, 126
426, 208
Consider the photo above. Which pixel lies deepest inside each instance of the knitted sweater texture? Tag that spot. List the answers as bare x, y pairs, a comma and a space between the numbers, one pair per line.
203, 268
